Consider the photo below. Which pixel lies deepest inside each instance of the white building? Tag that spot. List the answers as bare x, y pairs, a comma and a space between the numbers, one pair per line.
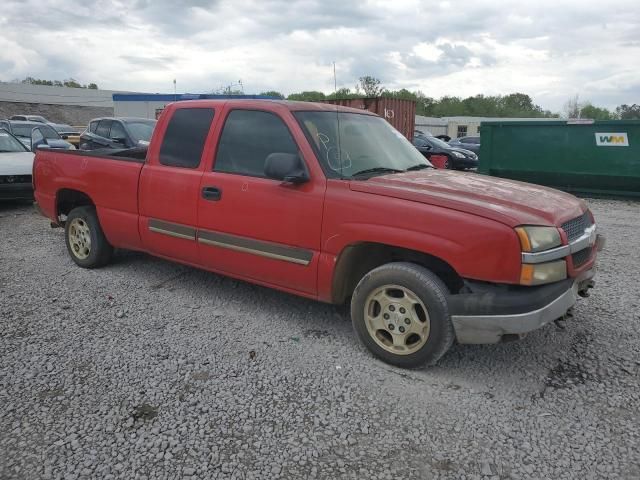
75, 106
456, 127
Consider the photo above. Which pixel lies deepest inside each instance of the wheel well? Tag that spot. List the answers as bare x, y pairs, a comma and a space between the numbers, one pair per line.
356, 260
68, 199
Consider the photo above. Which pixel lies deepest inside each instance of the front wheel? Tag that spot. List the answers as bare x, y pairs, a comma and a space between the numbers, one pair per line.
400, 313
85, 240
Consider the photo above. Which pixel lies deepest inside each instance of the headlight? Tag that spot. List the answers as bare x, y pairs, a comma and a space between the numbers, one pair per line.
536, 239
458, 155
541, 273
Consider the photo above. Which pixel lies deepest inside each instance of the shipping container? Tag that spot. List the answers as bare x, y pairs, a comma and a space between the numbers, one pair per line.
399, 113
598, 157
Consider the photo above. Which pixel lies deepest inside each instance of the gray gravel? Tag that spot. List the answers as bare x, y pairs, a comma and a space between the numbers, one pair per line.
148, 369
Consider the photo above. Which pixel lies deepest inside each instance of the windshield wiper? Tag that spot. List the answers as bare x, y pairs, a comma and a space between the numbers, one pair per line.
419, 166
377, 170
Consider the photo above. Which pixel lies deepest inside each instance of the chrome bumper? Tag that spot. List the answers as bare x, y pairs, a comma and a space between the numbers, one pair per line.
480, 329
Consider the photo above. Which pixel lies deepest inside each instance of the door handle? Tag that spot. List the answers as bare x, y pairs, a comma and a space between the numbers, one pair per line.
212, 193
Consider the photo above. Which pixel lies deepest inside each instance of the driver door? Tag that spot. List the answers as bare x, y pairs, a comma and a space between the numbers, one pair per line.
255, 227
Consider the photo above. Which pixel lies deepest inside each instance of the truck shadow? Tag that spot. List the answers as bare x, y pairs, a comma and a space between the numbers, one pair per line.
330, 324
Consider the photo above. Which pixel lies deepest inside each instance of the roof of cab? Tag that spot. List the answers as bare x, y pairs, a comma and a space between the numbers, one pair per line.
257, 103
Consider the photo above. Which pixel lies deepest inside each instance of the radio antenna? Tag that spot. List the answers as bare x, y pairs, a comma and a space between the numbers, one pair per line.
335, 93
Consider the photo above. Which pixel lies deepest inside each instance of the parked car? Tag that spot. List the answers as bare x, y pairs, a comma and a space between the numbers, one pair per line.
457, 158
468, 143
16, 163
29, 118
334, 204
23, 129
117, 133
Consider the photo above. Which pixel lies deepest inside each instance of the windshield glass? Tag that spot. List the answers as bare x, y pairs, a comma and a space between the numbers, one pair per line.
141, 129
10, 144
365, 142
438, 143
24, 130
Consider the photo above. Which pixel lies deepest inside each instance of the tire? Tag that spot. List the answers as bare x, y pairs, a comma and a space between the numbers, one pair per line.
421, 312
85, 240
448, 163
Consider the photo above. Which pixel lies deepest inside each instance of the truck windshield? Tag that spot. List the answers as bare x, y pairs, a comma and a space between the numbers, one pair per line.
366, 144
8, 143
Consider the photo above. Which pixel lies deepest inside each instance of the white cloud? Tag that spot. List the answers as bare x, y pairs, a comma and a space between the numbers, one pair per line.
548, 49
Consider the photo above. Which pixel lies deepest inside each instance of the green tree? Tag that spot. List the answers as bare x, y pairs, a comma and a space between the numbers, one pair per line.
595, 113
518, 104
342, 94
371, 86
628, 112
72, 83
307, 96
402, 94
274, 94
58, 83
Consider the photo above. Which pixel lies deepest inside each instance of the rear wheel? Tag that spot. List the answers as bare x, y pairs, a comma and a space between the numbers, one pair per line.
400, 313
85, 240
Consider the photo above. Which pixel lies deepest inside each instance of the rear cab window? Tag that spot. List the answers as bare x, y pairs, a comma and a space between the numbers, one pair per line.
184, 139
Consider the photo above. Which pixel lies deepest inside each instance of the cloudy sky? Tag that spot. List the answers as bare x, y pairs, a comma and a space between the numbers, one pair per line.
548, 49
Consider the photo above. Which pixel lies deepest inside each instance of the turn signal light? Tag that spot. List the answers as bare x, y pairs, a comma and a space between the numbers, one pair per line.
541, 273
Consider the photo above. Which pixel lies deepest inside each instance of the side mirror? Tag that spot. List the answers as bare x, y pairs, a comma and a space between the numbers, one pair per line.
287, 167
120, 140
64, 137
38, 140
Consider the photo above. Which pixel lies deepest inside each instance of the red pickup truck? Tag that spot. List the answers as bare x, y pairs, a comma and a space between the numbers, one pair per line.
333, 204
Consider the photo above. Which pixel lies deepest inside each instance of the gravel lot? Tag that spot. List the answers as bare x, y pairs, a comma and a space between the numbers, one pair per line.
148, 369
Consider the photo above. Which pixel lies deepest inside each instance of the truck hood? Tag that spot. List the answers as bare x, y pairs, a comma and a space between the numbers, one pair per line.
16, 163
507, 201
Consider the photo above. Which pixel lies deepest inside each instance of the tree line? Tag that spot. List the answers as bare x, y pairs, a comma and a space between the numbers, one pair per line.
69, 82
512, 105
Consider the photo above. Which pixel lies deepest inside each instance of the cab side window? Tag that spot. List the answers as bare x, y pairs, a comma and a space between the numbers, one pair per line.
248, 138
185, 136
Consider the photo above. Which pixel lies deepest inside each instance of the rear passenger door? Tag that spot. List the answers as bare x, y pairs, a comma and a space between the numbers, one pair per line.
256, 227
169, 185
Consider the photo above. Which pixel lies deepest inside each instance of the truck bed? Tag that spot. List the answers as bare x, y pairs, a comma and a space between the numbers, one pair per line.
108, 177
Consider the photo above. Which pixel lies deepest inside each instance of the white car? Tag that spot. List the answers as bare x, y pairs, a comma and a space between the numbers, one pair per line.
16, 163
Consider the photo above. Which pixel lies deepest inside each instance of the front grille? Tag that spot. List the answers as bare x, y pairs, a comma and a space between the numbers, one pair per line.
8, 179
574, 228
581, 257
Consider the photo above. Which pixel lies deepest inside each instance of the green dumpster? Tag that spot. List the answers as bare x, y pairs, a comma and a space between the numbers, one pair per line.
598, 157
